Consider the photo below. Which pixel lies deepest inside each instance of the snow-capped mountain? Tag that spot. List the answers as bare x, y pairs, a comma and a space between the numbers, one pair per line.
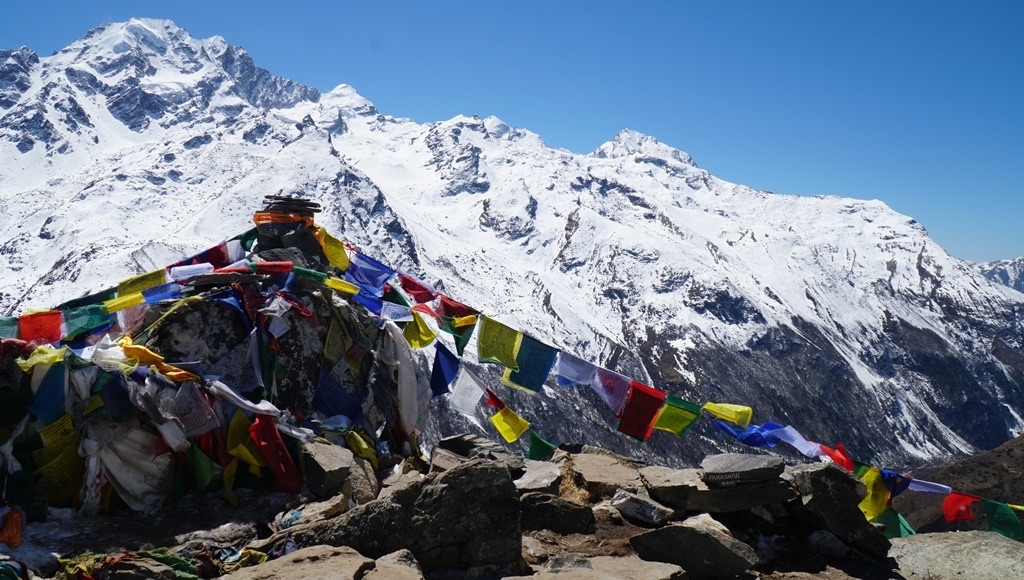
1006, 272
139, 144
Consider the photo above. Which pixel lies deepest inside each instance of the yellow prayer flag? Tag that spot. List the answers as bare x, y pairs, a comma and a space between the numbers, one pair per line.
141, 282
736, 414
42, 355
417, 332
510, 425
342, 286
1019, 508
138, 352
877, 499
498, 343
334, 249
463, 321
121, 302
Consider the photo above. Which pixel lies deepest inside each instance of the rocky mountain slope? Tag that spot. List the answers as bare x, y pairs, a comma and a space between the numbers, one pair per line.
139, 144
1007, 272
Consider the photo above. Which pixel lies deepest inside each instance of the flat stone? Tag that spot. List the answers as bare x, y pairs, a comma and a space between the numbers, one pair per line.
602, 475
475, 447
363, 481
732, 468
640, 508
543, 511
633, 568
322, 562
312, 512
683, 489
542, 476
326, 467
704, 551
534, 551
400, 565
973, 554
442, 460
395, 482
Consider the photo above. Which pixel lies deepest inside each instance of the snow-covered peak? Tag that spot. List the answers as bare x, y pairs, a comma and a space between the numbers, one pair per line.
630, 143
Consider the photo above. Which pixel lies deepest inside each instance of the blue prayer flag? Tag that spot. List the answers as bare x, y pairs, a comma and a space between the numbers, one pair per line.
446, 366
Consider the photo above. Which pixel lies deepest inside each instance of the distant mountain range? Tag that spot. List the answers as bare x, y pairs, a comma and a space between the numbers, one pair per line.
139, 144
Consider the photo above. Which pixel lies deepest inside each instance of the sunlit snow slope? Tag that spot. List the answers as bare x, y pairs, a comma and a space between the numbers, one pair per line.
139, 144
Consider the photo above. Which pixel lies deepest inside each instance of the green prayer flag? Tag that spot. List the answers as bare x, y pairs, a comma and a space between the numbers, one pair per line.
1002, 519
200, 466
896, 526
247, 238
677, 416
462, 334
540, 450
85, 318
97, 298
8, 327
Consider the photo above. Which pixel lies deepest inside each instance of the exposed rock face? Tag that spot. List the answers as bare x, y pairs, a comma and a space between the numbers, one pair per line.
726, 469
699, 546
684, 489
973, 554
542, 511
325, 562
602, 475
465, 518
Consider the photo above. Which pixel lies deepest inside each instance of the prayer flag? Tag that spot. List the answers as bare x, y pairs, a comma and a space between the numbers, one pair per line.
1002, 520
929, 487
894, 482
498, 343
793, 437
895, 525
677, 416
877, 498
736, 414
446, 366
8, 327
753, 435
334, 249
418, 333
123, 302
88, 299
141, 282
534, 359
458, 320
372, 303
85, 318
643, 403
466, 393
540, 450
839, 456
418, 289
613, 389
572, 370
163, 292
510, 425
48, 402
493, 400
41, 327
957, 507
368, 273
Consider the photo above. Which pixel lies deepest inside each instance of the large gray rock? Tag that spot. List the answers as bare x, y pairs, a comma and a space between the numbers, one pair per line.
576, 567
400, 565
322, 562
829, 496
640, 508
362, 481
465, 518
543, 511
972, 554
727, 469
326, 467
476, 447
700, 547
683, 489
542, 476
601, 475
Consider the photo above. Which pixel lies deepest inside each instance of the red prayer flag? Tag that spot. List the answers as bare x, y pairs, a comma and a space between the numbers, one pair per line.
839, 456
957, 507
493, 400
641, 411
268, 440
419, 291
453, 309
41, 327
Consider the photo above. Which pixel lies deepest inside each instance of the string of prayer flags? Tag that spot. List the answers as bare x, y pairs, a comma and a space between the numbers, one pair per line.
446, 367
956, 507
793, 437
418, 289
613, 389
366, 298
877, 498
97, 298
735, 414
417, 332
753, 435
540, 449
929, 487
41, 327
85, 318
534, 360
168, 291
498, 343
643, 403
1002, 520
466, 393
896, 526
124, 302
458, 320
368, 273
8, 327
571, 370
343, 286
839, 456
141, 282
677, 416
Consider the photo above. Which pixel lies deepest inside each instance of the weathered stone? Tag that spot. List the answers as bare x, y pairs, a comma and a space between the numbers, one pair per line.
363, 481
826, 543
476, 447
639, 508
400, 565
398, 481
312, 512
543, 511
442, 460
534, 551
633, 568
601, 475
465, 518
973, 554
322, 562
725, 469
326, 467
542, 476
683, 489
829, 497
703, 551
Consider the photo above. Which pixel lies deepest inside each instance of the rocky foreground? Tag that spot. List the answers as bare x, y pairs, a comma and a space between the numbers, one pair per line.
481, 512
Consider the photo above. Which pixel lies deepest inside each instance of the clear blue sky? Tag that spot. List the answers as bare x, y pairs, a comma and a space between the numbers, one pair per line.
917, 103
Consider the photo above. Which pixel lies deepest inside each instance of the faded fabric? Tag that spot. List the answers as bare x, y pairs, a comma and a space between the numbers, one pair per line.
613, 389
572, 370
793, 437
466, 394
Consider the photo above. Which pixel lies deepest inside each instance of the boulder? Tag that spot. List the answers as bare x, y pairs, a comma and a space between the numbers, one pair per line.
326, 467
974, 554
683, 489
442, 460
640, 508
397, 481
476, 447
829, 496
577, 567
727, 469
544, 511
602, 475
311, 512
400, 565
323, 562
542, 476
363, 481
467, 518
698, 546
